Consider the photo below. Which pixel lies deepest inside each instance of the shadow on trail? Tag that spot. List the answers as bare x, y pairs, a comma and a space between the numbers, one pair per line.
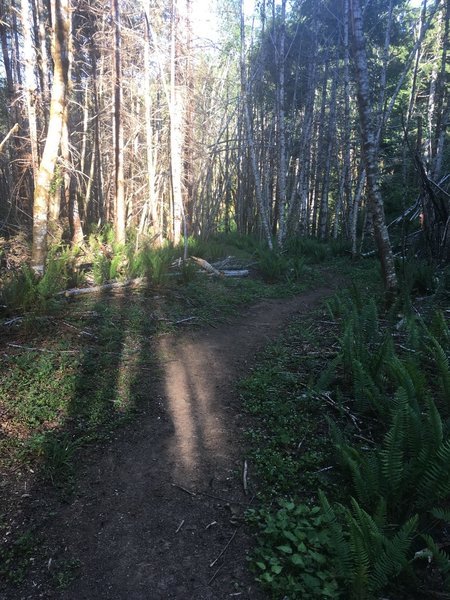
149, 517
113, 377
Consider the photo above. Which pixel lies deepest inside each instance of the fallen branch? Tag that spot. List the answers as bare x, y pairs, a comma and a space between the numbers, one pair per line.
215, 575
180, 526
184, 320
31, 349
236, 273
244, 478
224, 549
183, 489
207, 266
100, 288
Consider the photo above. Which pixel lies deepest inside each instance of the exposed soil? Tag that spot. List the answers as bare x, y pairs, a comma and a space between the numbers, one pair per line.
154, 510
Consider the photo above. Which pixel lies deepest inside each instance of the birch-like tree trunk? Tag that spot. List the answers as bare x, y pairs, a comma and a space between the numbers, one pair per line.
60, 55
330, 146
177, 107
150, 210
262, 208
30, 85
281, 179
369, 140
119, 180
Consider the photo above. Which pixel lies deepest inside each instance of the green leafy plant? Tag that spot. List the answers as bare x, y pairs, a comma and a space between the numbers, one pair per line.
293, 554
368, 554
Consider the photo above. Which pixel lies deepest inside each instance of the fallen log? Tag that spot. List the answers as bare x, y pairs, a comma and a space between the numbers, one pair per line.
207, 266
236, 273
100, 288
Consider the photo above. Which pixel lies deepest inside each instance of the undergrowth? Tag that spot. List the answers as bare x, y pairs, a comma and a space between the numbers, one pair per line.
351, 440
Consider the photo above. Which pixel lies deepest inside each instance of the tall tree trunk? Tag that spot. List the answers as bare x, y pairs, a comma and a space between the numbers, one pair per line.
262, 208
320, 150
119, 180
369, 139
42, 191
281, 130
31, 92
177, 107
150, 209
330, 143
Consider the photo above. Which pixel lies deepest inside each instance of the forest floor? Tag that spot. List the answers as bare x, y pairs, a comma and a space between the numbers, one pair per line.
157, 511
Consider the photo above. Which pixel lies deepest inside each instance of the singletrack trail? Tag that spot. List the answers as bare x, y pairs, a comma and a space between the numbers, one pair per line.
157, 513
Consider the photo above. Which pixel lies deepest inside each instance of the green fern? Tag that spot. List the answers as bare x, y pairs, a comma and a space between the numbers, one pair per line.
368, 396
439, 327
394, 556
443, 368
392, 455
441, 558
434, 484
401, 377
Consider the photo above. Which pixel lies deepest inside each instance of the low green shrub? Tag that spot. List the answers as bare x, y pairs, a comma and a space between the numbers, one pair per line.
294, 552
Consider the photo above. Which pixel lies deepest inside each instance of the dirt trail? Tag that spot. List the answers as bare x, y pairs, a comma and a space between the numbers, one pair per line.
134, 524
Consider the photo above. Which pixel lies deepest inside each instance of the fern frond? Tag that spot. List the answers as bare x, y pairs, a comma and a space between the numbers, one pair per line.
439, 327
443, 367
441, 514
360, 559
383, 355
367, 394
401, 377
435, 483
394, 556
392, 454
369, 321
434, 428
338, 541
442, 558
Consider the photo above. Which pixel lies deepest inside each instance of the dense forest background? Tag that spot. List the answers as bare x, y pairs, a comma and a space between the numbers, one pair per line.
307, 118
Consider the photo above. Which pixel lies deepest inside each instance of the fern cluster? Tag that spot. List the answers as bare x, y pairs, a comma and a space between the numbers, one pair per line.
389, 529
401, 483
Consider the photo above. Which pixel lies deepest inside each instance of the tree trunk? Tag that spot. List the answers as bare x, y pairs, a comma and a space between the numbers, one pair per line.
119, 180
369, 139
177, 107
330, 143
60, 55
150, 208
281, 179
263, 215
31, 92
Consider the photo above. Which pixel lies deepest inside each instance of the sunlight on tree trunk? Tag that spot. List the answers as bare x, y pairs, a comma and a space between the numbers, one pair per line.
46, 172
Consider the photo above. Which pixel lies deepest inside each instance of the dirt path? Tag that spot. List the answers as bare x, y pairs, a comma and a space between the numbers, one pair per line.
154, 510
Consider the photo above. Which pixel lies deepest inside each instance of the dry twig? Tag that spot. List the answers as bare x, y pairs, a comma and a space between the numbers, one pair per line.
224, 549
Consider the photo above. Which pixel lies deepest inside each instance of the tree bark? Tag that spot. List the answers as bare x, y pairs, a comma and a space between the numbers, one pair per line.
31, 92
369, 139
119, 180
262, 209
45, 175
281, 179
177, 107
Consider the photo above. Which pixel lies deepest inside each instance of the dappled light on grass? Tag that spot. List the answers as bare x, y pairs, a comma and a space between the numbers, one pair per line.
190, 390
